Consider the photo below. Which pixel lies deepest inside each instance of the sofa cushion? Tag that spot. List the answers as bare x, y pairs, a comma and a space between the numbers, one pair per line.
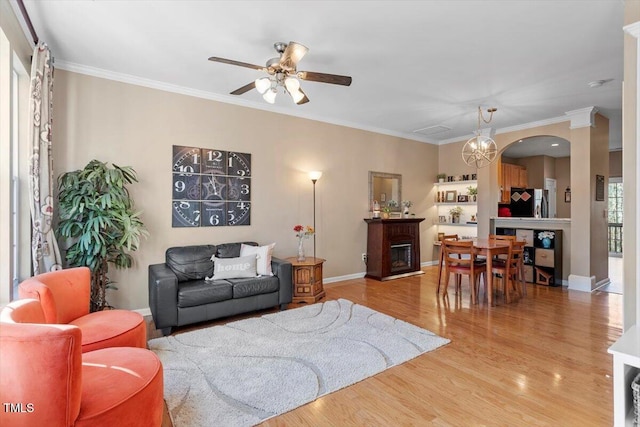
231, 268
255, 286
231, 250
191, 262
264, 254
199, 292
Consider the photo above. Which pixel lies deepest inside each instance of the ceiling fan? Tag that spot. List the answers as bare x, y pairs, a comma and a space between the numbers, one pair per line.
283, 73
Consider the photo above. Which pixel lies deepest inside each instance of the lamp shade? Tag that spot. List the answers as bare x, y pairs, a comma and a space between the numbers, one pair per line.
292, 84
270, 96
263, 84
315, 175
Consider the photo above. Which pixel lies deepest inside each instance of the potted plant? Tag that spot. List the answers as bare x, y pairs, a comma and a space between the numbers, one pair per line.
455, 213
406, 204
441, 177
386, 210
97, 215
473, 192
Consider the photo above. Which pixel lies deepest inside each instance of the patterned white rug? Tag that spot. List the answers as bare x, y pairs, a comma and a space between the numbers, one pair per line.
245, 372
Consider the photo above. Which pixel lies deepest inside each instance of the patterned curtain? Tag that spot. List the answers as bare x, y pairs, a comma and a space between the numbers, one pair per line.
45, 254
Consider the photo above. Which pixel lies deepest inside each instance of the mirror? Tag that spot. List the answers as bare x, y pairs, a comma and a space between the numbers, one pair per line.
384, 187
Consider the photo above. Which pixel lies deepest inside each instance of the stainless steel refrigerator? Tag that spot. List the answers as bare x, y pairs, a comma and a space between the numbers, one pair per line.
529, 203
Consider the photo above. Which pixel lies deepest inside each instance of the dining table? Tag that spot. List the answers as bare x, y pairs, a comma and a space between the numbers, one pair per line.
490, 248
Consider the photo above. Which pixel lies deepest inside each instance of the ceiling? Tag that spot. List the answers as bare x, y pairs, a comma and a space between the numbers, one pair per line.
415, 64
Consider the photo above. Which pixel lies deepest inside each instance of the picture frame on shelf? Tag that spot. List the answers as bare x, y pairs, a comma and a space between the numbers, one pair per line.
450, 196
463, 198
567, 196
442, 219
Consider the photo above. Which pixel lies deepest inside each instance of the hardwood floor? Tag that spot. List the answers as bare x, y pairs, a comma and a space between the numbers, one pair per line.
540, 361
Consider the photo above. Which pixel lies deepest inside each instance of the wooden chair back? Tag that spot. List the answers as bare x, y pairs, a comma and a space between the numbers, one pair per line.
502, 237
458, 255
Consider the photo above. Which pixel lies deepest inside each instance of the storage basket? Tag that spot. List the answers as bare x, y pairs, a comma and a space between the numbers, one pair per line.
635, 386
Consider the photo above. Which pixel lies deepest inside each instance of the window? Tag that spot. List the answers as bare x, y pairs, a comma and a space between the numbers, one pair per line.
615, 216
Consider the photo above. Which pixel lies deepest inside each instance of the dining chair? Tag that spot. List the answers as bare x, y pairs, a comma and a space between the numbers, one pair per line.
511, 269
503, 237
441, 261
460, 258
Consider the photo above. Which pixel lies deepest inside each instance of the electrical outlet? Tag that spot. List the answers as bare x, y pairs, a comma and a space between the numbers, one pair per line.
364, 257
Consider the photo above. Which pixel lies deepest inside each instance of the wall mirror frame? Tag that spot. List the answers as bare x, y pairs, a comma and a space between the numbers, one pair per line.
384, 187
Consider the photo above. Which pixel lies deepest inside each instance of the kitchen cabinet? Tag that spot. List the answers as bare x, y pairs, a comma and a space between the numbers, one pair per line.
510, 175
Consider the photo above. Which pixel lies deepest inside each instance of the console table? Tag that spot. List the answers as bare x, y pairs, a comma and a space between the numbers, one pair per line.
393, 248
307, 279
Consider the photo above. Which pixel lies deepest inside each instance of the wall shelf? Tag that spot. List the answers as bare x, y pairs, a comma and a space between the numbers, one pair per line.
469, 182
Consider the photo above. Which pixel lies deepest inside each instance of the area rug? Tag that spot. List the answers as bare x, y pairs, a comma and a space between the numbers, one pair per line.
245, 372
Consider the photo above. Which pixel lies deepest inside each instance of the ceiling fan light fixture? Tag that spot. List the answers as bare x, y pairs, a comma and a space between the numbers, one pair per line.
270, 95
292, 84
263, 84
297, 96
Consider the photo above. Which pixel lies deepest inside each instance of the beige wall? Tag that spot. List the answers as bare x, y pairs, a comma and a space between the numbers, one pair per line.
599, 220
137, 126
563, 180
615, 164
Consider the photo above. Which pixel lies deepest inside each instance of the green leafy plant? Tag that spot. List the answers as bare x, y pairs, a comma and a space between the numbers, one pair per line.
471, 190
390, 205
97, 216
441, 176
455, 211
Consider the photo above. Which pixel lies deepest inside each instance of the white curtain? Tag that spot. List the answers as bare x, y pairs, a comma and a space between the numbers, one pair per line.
44, 247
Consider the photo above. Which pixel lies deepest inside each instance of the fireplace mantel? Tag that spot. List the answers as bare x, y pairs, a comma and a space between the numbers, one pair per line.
393, 248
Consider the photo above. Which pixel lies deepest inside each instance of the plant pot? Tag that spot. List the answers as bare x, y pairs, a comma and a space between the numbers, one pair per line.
385, 215
455, 219
440, 180
546, 243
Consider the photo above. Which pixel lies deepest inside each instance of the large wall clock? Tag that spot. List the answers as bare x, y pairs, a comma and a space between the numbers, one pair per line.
210, 188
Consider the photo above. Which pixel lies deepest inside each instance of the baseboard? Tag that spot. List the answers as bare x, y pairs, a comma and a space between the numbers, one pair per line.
602, 283
341, 278
582, 283
428, 263
144, 311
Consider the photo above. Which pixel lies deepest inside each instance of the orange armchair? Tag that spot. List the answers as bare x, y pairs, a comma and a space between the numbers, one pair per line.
46, 380
64, 296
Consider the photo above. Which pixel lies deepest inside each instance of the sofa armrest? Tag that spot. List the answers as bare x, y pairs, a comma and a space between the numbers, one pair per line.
283, 270
163, 296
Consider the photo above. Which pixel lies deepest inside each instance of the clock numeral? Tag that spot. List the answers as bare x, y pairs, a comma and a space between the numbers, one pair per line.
179, 186
214, 156
196, 158
241, 172
244, 189
185, 205
185, 169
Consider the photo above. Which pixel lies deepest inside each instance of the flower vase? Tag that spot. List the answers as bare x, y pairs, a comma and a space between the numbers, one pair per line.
546, 243
301, 256
405, 213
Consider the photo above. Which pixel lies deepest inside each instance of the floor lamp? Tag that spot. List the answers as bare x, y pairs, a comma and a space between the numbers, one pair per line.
315, 176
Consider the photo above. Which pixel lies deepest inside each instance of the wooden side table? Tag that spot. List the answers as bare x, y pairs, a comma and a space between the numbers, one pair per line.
307, 279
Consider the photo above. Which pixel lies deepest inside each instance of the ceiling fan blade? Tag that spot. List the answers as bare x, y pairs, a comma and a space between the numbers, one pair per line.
324, 78
232, 62
303, 100
244, 89
292, 54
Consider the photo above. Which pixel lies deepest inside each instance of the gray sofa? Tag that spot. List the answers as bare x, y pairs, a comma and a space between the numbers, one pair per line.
179, 295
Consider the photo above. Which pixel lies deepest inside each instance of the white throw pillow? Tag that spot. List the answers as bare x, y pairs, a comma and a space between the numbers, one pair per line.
263, 253
233, 268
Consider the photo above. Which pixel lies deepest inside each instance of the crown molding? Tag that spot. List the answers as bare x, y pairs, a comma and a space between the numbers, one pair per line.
167, 87
584, 117
515, 128
633, 29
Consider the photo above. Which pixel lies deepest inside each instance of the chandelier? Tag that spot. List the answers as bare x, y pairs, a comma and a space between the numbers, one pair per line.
480, 150
268, 88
